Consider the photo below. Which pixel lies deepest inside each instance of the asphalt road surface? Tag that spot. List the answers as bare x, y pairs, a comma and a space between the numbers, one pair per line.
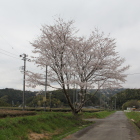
114, 127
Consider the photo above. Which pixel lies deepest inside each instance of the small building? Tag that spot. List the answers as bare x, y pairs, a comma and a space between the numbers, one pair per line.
131, 108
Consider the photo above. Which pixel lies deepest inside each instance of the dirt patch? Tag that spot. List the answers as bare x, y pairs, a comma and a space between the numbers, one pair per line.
44, 135
68, 137
36, 136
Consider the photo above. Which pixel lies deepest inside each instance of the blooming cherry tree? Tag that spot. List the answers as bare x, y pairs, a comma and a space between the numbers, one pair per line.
73, 61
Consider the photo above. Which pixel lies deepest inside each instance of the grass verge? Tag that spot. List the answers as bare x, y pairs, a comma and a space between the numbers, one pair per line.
50, 125
44, 126
135, 117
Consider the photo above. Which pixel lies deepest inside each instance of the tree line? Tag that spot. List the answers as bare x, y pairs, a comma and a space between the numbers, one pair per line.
124, 96
56, 98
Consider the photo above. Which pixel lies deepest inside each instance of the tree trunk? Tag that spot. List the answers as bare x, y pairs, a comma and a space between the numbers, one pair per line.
75, 112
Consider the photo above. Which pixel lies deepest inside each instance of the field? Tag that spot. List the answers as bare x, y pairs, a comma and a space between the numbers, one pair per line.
14, 113
44, 125
48, 109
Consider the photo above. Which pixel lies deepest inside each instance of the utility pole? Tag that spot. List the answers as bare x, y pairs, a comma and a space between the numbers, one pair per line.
24, 58
115, 103
45, 88
50, 101
74, 93
100, 93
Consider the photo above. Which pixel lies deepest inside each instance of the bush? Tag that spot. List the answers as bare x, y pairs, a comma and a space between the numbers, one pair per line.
131, 103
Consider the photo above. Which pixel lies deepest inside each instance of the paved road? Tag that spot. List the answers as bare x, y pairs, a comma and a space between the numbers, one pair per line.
114, 127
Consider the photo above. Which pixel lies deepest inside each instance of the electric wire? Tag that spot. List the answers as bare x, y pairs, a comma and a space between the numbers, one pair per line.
8, 52
9, 55
35, 69
15, 58
19, 58
8, 43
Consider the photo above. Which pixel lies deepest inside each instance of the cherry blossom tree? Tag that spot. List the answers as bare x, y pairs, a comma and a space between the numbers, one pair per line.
73, 61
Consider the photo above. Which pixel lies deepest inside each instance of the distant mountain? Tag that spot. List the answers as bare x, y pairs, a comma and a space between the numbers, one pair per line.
13, 96
9, 96
108, 92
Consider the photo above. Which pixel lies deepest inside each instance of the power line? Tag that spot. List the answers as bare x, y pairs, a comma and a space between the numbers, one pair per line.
7, 42
34, 69
9, 55
8, 52
15, 58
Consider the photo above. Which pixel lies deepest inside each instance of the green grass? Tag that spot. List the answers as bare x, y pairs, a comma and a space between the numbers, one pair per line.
18, 128
55, 125
135, 116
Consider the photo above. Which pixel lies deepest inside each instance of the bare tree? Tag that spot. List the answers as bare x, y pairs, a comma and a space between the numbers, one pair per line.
85, 62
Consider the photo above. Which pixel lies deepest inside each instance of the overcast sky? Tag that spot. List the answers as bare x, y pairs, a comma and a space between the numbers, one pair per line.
21, 20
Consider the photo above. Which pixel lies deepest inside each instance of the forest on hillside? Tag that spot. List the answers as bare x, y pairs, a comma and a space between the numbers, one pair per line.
56, 98
124, 96
13, 97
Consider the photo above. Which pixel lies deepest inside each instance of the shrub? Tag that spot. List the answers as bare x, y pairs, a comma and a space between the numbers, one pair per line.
131, 103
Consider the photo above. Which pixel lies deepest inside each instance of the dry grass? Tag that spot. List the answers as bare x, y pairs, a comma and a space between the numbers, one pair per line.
14, 113
43, 136
36, 136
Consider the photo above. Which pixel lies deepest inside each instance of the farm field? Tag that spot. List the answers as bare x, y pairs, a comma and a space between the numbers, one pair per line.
47, 109
14, 113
